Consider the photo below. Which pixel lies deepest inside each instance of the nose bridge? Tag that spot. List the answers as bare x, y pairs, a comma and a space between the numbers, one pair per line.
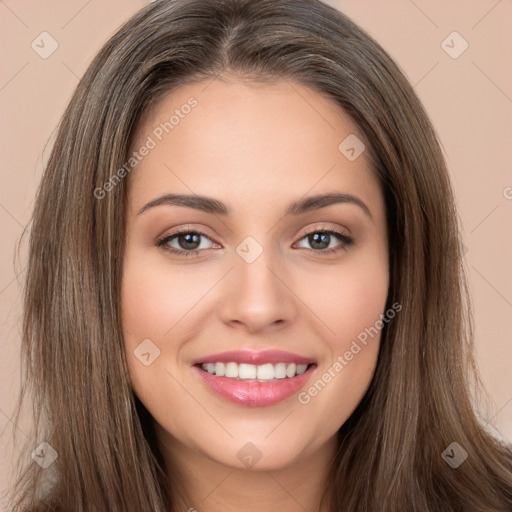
255, 294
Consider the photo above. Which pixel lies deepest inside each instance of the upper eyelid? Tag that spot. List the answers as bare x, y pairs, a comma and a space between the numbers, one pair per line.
179, 231
186, 229
314, 229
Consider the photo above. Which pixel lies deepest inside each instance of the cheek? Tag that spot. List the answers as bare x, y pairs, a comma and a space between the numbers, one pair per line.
155, 299
154, 304
165, 303
350, 302
349, 298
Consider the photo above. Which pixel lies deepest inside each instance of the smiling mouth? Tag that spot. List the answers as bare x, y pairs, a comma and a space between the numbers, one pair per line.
255, 373
255, 379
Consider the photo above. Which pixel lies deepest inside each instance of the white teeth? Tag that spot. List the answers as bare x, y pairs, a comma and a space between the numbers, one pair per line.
246, 371
231, 370
263, 372
301, 368
280, 370
220, 368
209, 367
291, 369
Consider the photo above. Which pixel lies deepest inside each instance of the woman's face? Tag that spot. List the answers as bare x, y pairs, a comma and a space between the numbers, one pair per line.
278, 274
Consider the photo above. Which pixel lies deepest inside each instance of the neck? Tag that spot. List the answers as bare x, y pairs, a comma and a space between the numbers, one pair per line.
209, 486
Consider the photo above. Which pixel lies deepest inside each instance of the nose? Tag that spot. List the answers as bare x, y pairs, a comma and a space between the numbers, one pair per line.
257, 297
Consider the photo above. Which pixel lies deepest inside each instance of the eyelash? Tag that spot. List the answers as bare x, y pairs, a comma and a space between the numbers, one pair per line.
345, 240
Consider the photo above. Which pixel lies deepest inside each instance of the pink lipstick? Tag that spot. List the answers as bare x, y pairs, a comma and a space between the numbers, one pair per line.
255, 378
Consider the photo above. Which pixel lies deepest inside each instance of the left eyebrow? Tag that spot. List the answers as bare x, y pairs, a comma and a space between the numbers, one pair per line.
321, 201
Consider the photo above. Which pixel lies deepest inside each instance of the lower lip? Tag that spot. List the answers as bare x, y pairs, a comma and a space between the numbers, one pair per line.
255, 393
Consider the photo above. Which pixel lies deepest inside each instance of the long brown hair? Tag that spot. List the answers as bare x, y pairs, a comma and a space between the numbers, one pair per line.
419, 401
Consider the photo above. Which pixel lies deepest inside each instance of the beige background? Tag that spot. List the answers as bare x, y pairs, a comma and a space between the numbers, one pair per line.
469, 99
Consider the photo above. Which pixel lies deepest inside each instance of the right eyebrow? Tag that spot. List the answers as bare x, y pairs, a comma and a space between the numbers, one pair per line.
206, 204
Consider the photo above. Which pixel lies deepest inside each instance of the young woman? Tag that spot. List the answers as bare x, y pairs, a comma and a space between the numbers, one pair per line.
245, 287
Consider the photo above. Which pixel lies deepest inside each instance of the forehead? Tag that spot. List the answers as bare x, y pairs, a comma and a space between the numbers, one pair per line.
247, 141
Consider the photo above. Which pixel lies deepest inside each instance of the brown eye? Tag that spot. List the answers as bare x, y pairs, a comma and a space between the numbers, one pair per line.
325, 241
185, 242
319, 240
189, 241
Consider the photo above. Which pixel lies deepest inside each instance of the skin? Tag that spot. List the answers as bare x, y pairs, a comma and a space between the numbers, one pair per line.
256, 148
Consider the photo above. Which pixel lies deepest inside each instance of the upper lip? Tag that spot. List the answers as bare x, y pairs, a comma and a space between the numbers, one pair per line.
256, 358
